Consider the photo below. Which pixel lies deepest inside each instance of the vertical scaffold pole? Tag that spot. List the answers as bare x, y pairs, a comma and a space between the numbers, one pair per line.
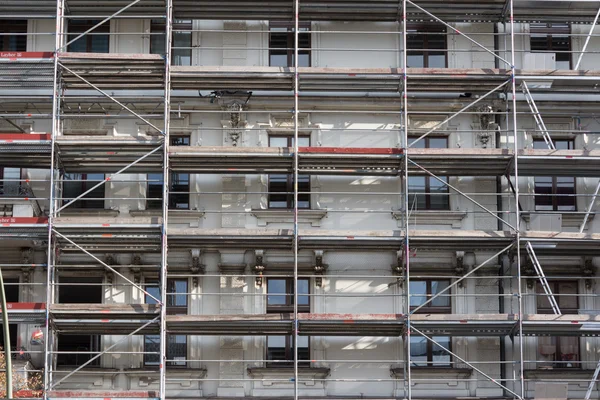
165, 202
50, 251
406, 252
517, 213
296, 105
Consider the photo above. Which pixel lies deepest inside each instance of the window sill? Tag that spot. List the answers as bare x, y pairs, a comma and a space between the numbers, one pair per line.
430, 372
432, 217
558, 373
306, 376
172, 213
568, 220
190, 217
147, 377
270, 216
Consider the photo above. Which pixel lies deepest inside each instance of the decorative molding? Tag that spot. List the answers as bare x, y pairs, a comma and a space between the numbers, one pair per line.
560, 374
266, 216
232, 268
307, 376
450, 375
568, 220
148, 376
432, 217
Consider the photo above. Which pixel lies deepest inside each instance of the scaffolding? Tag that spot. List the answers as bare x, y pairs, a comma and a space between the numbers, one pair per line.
107, 81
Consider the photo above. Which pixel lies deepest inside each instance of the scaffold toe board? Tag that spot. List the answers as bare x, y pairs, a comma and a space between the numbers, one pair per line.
260, 324
26, 70
282, 324
109, 153
561, 325
25, 150
26, 313
112, 71
104, 234
32, 228
106, 8
102, 394
312, 160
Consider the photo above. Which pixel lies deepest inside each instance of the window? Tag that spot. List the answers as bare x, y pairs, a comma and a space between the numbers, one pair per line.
552, 38
558, 352
97, 41
13, 331
426, 192
281, 187
280, 299
423, 352
177, 304
426, 46
76, 184
181, 52
282, 44
553, 193
180, 182
77, 348
16, 42
11, 290
11, 187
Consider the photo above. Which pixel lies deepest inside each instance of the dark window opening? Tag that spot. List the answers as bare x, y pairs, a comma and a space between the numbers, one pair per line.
81, 290
177, 304
78, 347
558, 351
181, 41
16, 42
11, 290
280, 299
13, 331
426, 192
555, 193
97, 41
426, 46
281, 186
282, 44
552, 38
76, 184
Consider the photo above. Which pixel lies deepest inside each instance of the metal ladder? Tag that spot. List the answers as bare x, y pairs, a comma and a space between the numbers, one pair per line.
593, 382
537, 116
543, 280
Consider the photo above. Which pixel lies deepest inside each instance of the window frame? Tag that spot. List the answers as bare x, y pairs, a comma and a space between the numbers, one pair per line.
429, 309
13, 26
551, 31
287, 308
289, 189
84, 185
303, 26
427, 194
157, 204
555, 287
423, 30
159, 26
84, 25
554, 196
171, 310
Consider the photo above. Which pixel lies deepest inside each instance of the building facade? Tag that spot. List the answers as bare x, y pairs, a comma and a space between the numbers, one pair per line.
311, 199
